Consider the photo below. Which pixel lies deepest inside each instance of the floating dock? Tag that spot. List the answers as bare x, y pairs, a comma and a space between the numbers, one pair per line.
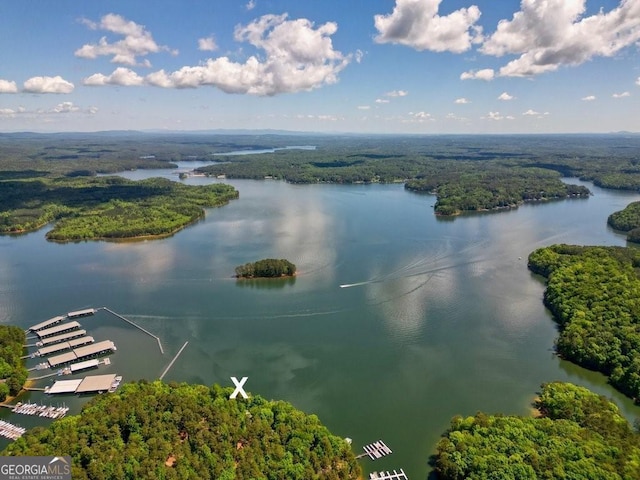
60, 338
57, 347
89, 384
81, 313
58, 329
375, 450
11, 431
388, 475
40, 410
47, 323
106, 346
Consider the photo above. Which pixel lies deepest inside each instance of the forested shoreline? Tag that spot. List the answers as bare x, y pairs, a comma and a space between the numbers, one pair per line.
577, 435
627, 220
92, 208
178, 431
13, 373
594, 296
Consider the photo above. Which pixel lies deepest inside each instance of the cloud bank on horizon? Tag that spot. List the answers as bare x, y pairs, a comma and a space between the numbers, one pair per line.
275, 54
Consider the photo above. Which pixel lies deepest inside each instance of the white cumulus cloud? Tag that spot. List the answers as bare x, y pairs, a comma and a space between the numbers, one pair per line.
484, 74
251, 4
7, 86
364, 107
120, 76
397, 93
621, 95
416, 23
462, 101
137, 41
551, 33
382, 100
497, 116
589, 98
297, 56
55, 84
207, 44
505, 97
65, 107
531, 113
638, 81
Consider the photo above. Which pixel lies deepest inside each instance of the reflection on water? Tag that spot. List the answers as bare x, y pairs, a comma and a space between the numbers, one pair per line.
435, 318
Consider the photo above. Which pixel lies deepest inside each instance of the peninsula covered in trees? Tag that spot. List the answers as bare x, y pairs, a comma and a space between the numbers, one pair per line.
170, 431
627, 220
577, 435
266, 268
13, 373
594, 295
90, 208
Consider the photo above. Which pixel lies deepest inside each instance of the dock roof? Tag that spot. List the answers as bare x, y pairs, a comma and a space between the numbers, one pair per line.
76, 367
76, 342
81, 313
63, 337
61, 359
63, 327
44, 351
46, 323
65, 386
95, 349
96, 383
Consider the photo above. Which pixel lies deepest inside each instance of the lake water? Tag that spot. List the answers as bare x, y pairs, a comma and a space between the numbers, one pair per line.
396, 322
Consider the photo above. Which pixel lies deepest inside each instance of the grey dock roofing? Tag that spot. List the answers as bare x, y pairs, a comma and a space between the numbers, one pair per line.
64, 327
64, 346
46, 323
61, 338
82, 352
96, 383
81, 313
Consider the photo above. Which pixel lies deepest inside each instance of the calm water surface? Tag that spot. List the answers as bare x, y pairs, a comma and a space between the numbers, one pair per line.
397, 321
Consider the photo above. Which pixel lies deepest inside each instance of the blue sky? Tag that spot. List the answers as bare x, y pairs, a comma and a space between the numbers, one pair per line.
366, 66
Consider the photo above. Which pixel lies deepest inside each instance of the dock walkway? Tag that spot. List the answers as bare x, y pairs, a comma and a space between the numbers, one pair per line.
388, 475
135, 325
375, 450
11, 431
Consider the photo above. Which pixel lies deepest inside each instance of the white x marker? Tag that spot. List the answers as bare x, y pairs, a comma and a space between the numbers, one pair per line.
239, 389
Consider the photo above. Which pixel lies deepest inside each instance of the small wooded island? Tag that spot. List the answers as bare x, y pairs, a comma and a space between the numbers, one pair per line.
266, 268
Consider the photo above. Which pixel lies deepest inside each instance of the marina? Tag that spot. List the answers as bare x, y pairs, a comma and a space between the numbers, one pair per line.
11, 431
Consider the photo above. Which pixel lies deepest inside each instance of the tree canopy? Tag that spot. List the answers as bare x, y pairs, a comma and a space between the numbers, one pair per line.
594, 295
87, 208
578, 435
13, 372
169, 431
627, 220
